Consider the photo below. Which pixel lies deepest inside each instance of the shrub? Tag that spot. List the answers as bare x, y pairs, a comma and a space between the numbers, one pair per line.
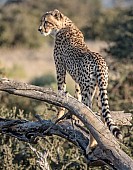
44, 80
119, 34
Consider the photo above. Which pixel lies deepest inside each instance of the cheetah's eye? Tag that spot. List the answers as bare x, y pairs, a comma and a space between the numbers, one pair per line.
48, 23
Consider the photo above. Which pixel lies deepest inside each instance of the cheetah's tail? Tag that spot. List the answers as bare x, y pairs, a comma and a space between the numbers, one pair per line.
107, 116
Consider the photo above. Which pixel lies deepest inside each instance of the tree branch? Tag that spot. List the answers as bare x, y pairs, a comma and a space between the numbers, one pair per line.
30, 131
106, 142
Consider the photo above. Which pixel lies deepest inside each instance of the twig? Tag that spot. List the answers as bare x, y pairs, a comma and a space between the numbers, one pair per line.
42, 158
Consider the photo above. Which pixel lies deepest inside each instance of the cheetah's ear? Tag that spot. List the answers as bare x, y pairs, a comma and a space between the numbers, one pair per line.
57, 14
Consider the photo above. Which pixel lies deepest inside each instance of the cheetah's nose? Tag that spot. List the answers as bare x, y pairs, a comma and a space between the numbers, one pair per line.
39, 29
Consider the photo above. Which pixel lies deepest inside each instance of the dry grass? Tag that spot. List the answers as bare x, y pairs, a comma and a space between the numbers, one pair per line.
34, 62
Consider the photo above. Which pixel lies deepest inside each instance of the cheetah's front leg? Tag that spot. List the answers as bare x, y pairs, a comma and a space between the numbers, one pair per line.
77, 92
78, 96
61, 82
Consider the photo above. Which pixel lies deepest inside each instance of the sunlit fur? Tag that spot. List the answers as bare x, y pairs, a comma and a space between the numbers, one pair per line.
88, 69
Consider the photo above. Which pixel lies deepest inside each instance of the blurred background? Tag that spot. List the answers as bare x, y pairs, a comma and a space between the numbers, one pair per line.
27, 56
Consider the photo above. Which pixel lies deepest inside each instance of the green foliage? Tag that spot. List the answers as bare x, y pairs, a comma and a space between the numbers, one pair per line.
119, 33
113, 25
19, 21
18, 26
44, 80
120, 92
120, 86
93, 30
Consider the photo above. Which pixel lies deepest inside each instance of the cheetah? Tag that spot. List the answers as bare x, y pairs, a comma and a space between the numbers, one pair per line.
71, 54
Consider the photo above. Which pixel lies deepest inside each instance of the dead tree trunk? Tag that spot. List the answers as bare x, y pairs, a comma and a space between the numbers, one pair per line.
108, 146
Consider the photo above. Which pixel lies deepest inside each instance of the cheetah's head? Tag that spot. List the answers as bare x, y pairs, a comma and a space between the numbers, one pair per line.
51, 23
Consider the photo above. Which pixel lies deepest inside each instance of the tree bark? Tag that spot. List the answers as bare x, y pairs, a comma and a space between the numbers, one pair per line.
106, 141
29, 132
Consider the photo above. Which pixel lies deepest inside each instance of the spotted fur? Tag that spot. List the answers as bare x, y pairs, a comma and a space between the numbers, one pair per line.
88, 69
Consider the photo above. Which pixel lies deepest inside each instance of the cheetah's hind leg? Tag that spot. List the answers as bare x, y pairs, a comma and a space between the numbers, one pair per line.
87, 97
